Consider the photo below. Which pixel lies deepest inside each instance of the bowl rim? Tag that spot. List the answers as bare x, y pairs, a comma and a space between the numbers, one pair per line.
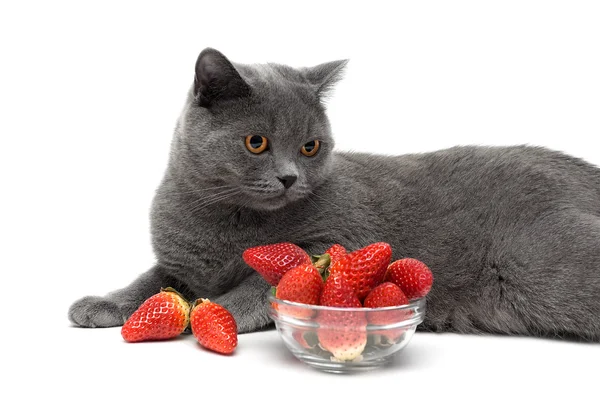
412, 304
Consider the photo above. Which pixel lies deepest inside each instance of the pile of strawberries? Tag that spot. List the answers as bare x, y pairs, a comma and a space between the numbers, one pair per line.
363, 279
167, 314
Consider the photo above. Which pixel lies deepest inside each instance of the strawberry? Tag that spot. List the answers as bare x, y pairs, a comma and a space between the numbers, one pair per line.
343, 333
305, 337
301, 284
363, 269
411, 275
162, 316
337, 292
387, 295
336, 252
298, 335
213, 326
273, 260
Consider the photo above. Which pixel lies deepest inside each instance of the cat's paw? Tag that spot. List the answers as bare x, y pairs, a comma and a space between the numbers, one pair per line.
96, 312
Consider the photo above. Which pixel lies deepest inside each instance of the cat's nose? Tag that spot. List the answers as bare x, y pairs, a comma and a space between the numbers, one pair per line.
287, 180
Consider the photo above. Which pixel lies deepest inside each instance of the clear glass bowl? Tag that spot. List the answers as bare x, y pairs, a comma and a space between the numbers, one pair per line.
343, 340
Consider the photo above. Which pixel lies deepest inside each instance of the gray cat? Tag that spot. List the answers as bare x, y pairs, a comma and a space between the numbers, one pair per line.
512, 234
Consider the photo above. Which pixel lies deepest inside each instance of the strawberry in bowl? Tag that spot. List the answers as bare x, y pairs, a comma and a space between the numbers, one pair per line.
348, 310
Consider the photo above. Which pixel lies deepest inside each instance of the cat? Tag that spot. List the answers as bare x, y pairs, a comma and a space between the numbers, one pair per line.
512, 234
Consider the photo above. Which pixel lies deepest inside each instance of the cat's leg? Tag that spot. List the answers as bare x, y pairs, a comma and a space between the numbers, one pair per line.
247, 302
542, 280
563, 281
114, 308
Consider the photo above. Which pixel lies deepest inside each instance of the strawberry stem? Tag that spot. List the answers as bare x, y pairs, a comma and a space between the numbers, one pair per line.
200, 301
322, 263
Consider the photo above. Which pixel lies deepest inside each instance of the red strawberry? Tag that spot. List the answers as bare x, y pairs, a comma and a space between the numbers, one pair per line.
387, 295
273, 260
337, 292
298, 334
341, 332
365, 268
214, 326
162, 316
411, 275
336, 252
302, 334
301, 284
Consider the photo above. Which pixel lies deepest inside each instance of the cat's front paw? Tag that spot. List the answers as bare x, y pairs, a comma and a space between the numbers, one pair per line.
96, 312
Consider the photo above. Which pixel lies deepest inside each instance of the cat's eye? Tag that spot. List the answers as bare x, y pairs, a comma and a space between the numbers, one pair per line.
256, 144
310, 149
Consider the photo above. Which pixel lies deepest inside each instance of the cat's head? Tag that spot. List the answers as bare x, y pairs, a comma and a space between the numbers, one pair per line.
256, 135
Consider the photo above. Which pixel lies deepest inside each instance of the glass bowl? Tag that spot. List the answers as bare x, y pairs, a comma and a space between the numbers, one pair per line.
343, 340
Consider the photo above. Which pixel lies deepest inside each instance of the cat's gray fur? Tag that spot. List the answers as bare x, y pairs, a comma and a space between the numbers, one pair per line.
512, 234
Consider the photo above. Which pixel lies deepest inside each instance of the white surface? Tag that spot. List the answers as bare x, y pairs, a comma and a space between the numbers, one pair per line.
99, 364
89, 97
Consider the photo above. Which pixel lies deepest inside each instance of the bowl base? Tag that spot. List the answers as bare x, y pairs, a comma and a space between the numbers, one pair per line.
348, 367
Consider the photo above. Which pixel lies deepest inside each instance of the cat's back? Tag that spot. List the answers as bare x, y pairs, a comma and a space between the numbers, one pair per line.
470, 175
456, 159
467, 163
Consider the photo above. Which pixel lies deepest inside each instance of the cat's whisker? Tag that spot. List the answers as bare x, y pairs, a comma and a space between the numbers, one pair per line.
243, 205
258, 185
199, 203
213, 195
197, 209
214, 200
313, 202
203, 189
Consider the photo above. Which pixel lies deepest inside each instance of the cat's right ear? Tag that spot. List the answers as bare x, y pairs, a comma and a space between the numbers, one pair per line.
217, 79
324, 76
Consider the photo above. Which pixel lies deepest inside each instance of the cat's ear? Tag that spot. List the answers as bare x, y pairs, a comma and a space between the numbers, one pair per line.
217, 79
324, 76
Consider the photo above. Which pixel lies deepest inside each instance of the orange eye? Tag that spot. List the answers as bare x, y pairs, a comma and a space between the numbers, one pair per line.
256, 144
310, 149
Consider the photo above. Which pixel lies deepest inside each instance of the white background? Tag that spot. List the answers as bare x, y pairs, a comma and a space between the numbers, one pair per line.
89, 96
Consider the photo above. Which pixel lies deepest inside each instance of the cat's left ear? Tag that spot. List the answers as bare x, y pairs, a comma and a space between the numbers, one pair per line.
217, 79
324, 76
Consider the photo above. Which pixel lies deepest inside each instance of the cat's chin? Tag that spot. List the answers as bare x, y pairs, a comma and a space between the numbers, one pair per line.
270, 203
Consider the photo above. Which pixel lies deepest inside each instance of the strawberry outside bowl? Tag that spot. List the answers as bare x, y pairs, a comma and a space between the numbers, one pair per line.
344, 340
